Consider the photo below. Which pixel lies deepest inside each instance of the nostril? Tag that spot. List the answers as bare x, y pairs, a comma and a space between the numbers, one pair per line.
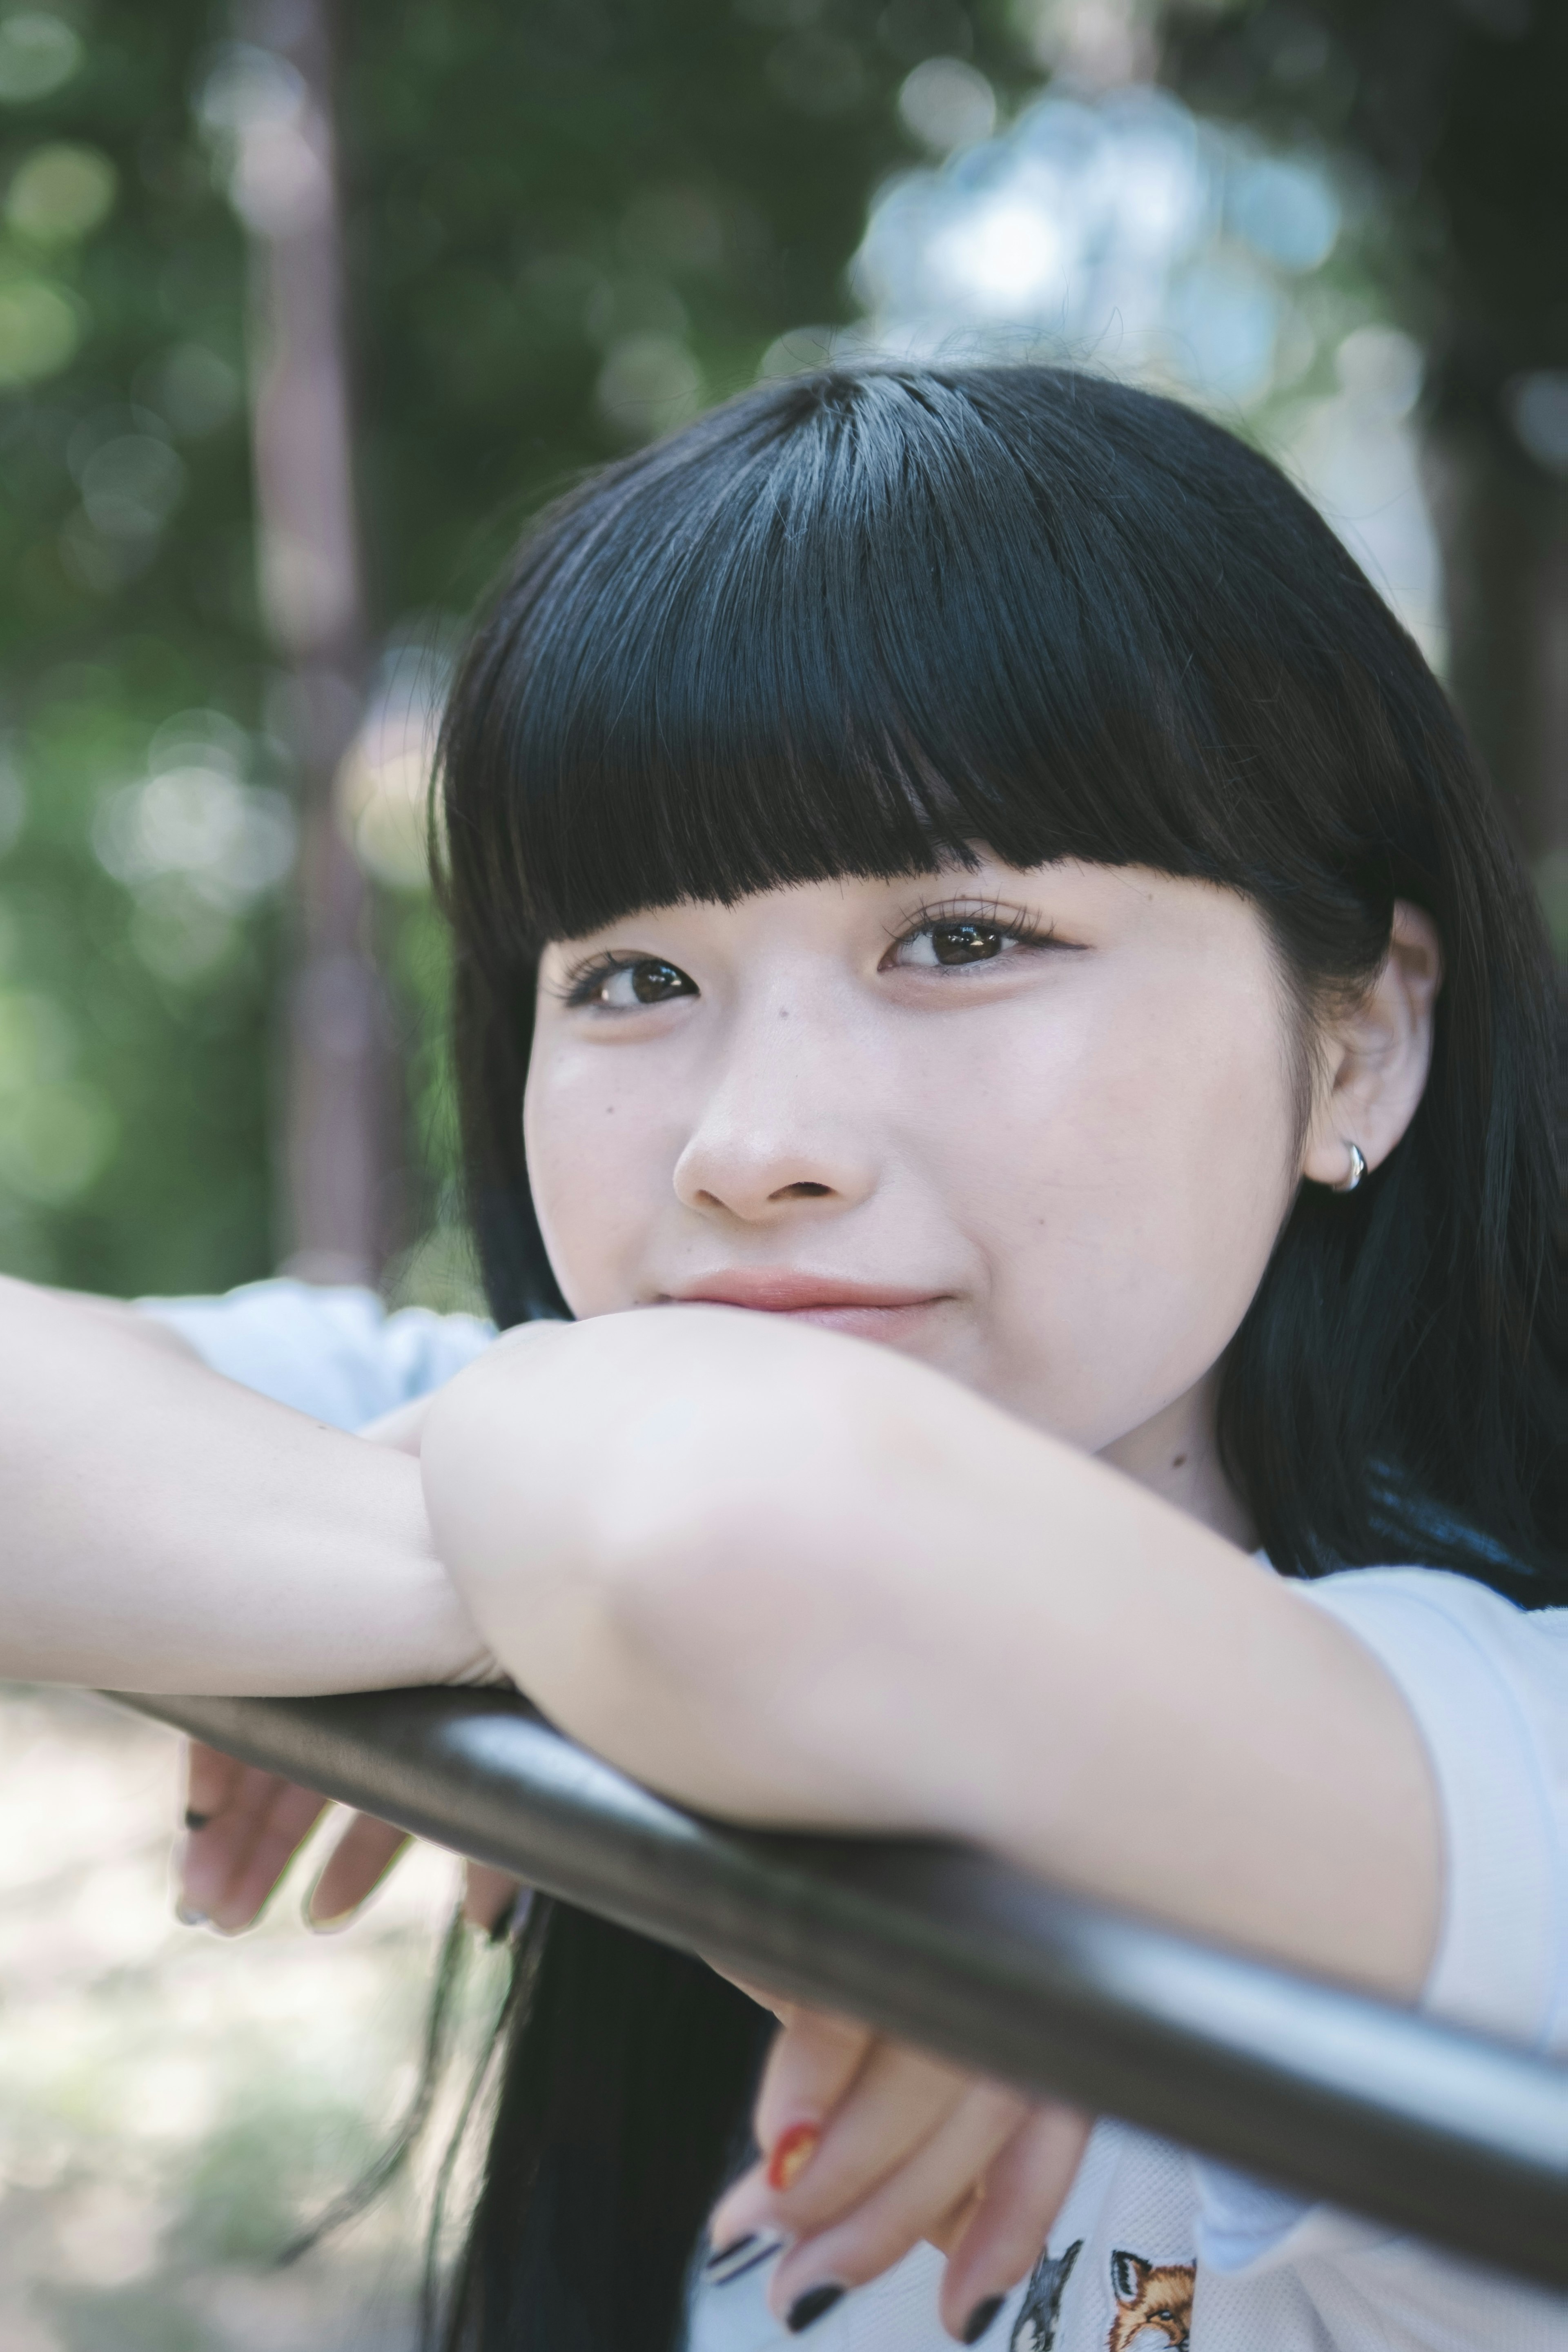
803, 1192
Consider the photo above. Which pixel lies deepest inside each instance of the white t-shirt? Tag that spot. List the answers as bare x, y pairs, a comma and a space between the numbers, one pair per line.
1157, 2250
337, 1355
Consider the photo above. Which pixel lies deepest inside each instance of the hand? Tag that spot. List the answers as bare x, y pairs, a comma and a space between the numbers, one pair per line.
869, 2147
243, 1827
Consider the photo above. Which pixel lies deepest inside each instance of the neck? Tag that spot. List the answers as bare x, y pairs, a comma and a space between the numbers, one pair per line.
1175, 1454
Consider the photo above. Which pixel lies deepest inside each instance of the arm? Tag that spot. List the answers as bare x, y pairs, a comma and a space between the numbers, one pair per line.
790, 1578
244, 1826
164, 1529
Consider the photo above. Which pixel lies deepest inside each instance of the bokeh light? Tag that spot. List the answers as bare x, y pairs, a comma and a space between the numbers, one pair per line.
1125, 234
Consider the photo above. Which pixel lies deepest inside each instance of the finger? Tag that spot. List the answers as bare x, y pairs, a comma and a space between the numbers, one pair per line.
216, 1849
810, 2068
211, 1778
354, 1868
944, 2233
907, 2205
1000, 2238
898, 2099
489, 1897
279, 1829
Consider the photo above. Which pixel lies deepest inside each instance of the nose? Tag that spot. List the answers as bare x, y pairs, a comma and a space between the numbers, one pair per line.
783, 1126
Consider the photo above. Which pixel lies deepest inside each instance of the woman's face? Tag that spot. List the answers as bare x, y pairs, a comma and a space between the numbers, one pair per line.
1039, 1130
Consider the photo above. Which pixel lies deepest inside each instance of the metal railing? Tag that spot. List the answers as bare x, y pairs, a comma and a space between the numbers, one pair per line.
1459, 2138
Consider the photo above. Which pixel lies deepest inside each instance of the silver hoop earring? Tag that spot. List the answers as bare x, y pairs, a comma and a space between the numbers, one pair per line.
1358, 1170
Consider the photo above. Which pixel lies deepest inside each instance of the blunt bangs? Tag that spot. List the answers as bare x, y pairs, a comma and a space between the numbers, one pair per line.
856, 623
863, 621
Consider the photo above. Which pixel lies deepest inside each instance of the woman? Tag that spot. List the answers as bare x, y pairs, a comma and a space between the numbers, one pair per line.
964, 857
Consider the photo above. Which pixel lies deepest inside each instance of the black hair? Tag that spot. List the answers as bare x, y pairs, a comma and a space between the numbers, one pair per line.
853, 622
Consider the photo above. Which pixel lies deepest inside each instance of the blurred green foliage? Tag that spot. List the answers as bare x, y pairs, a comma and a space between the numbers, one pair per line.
271, 2162
127, 2319
132, 1021
574, 221
1455, 112
569, 223
1458, 107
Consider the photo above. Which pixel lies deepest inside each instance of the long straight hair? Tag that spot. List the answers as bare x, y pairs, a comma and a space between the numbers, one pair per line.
850, 625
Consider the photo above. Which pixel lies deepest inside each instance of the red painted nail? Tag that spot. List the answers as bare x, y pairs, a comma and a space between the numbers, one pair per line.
793, 2151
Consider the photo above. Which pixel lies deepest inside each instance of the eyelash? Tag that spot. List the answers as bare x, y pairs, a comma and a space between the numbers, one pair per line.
577, 989
1012, 922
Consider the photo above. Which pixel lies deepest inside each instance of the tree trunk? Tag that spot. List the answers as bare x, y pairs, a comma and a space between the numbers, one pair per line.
1504, 531
341, 1101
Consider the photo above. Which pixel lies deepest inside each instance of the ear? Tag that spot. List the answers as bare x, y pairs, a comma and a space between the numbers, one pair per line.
1376, 1057
1128, 2273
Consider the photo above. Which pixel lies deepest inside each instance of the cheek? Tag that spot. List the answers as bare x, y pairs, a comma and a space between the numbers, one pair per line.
595, 1151
1138, 1172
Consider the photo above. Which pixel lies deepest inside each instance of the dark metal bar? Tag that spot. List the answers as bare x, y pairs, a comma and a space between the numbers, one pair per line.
1457, 2138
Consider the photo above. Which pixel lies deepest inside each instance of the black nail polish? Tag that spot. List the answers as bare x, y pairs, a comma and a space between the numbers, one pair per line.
195, 1820
727, 2253
741, 2257
808, 2308
981, 2317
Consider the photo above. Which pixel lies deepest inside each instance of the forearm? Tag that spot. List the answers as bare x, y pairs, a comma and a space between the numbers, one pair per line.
861, 1597
164, 1529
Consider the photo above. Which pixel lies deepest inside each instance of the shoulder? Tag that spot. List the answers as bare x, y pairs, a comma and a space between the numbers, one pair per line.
336, 1354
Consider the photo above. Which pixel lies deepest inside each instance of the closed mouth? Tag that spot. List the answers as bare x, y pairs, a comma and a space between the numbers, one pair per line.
779, 1290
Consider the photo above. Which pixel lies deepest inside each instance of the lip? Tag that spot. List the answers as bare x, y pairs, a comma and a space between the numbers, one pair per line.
783, 1290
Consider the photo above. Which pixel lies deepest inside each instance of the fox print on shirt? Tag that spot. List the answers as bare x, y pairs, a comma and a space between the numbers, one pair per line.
1154, 2305
1034, 2329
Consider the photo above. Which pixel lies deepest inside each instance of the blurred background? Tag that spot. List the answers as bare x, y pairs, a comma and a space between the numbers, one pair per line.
303, 308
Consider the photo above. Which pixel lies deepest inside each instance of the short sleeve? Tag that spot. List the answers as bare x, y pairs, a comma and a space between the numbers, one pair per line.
335, 1354
1486, 1685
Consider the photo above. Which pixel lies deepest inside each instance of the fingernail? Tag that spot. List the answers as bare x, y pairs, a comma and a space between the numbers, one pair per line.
808, 2308
195, 1820
727, 2253
981, 2317
333, 1925
793, 2151
740, 2257
189, 1917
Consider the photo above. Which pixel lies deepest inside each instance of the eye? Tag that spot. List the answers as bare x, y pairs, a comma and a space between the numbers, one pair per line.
944, 941
620, 984
965, 942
